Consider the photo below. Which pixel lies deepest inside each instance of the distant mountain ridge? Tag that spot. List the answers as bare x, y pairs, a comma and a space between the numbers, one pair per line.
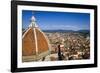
81, 31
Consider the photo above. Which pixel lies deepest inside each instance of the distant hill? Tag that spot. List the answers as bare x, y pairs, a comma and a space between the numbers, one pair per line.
84, 31
63, 31
58, 31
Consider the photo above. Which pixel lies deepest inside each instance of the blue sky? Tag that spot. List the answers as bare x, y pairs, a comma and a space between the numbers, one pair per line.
57, 20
